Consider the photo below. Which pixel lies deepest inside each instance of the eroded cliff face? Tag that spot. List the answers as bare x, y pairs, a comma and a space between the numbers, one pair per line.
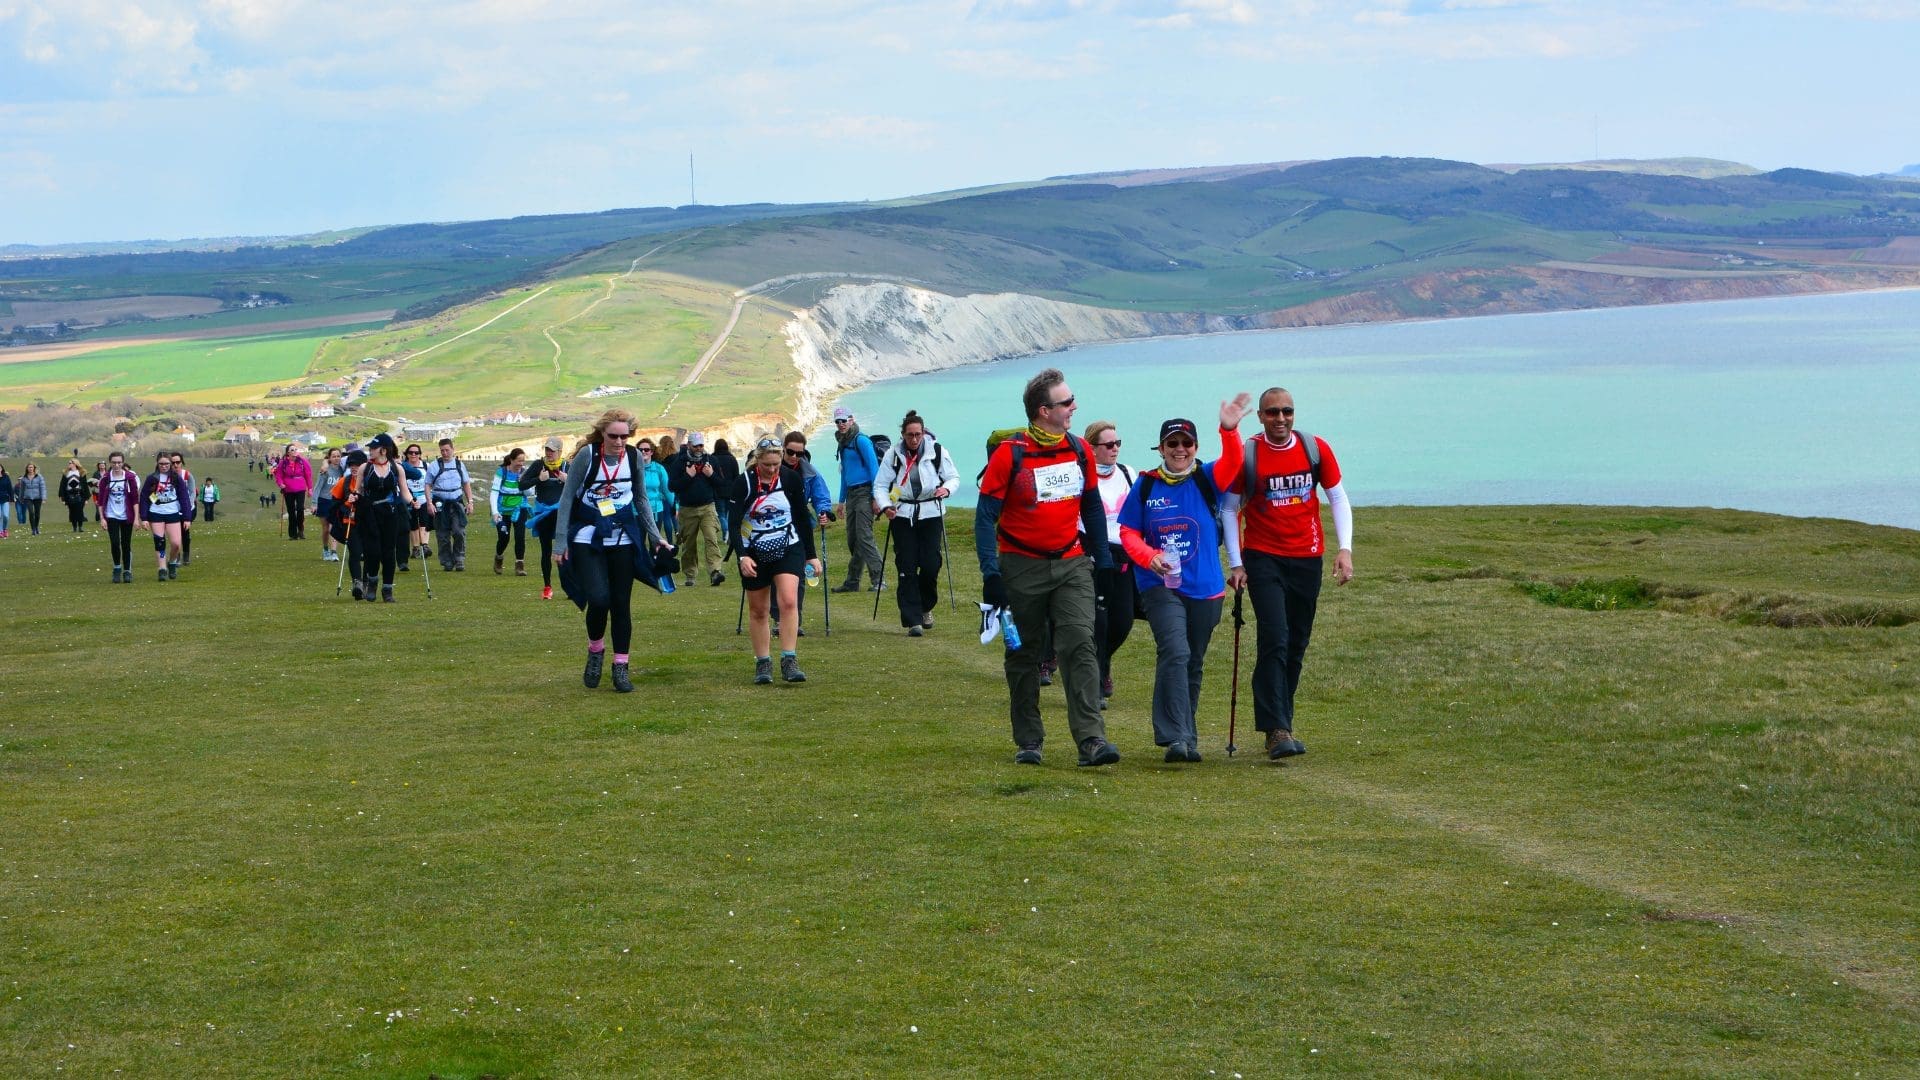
860, 333
863, 332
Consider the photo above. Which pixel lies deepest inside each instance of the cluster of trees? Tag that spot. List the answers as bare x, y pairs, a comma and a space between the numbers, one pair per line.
50, 428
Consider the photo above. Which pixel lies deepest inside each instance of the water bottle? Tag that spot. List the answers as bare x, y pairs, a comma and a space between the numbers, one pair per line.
666, 584
1007, 630
810, 576
1171, 555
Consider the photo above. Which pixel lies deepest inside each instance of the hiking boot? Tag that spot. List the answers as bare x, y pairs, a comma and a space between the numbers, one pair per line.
1282, 744
519, 568
1193, 751
1106, 686
622, 678
498, 562
173, 572
915, 631
359, 590
878, 585
460, 567
763, 671
847, 586
790, 669
1046, 672
116, 575
373, 590
1176, 752
163, 573
1028, 754
546, 592
591, 676
689, 582
926, 621
1095, 750
386, 594
405, 568
716, 578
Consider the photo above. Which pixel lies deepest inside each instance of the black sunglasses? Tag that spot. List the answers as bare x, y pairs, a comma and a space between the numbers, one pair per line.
1278, 410
1175, 444
1061, 404
1114, 445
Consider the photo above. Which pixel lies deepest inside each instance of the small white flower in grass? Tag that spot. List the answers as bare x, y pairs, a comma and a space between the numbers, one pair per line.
912, 1028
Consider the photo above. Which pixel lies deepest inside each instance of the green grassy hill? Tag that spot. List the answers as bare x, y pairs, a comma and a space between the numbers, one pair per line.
254, 830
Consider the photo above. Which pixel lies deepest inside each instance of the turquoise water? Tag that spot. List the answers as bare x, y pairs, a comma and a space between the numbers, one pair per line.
1801, 405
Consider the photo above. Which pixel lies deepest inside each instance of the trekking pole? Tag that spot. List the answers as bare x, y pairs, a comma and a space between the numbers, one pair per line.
826, 592
740, 620
886, 545
952, 605
341, 581
426, 575
1233, 703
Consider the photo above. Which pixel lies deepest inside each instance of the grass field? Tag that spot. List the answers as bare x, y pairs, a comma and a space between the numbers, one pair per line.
167, 369
257, 831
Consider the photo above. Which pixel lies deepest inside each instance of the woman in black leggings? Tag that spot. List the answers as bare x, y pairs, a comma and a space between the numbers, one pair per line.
546, 479
382, 511
610, 532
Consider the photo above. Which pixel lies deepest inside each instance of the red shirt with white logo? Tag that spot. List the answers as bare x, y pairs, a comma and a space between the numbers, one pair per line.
1040, 513
1282, 516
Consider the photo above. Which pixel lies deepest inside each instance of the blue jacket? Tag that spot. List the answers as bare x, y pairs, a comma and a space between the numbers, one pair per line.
1177, 516
659, 491
858, 467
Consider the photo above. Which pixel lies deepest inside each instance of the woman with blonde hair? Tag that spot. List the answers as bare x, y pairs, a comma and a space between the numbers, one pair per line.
773, 535
76, 492
610, 539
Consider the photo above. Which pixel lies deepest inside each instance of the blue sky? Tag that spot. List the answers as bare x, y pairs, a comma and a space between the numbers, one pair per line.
131, 119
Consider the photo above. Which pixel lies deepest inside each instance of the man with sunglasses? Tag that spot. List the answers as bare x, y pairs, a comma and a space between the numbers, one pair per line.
859, 464
1038, 496
1284, 551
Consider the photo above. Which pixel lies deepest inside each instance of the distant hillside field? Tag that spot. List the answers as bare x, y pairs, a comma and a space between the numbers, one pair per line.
532, 313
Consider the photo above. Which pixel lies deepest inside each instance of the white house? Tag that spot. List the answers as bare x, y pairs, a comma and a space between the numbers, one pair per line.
318, 410
242, 433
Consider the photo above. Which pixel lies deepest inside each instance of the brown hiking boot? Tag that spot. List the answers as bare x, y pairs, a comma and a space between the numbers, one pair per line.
519, 568
498, 564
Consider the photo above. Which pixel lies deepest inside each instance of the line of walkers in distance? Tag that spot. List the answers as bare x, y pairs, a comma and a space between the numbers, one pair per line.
22, 498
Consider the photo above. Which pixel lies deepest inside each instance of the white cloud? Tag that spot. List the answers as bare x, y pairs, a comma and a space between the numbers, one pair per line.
1014, 65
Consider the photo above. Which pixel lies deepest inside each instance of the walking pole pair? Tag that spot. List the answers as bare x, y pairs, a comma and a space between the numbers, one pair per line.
885, 545
952, 605
1233, 704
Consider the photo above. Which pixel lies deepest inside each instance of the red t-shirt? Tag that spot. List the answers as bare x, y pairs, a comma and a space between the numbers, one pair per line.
1283, 516
1040, 515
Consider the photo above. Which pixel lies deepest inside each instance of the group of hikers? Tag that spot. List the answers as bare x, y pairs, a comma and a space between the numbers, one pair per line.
1074, 547
165, 502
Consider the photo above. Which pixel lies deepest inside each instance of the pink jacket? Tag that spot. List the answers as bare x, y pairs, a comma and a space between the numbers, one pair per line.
293, 475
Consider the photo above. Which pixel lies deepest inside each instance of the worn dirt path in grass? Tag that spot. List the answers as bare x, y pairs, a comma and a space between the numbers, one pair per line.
612, 282
1859, 964
81, 348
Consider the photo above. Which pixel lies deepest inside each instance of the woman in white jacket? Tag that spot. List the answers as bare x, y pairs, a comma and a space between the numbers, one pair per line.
915, 480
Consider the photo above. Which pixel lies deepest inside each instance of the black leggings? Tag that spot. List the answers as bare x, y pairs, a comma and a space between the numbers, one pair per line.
379, 528
544, 533
120, 537
296, 515
77, 515
1113, 621
515, 525
33, 514
606, 578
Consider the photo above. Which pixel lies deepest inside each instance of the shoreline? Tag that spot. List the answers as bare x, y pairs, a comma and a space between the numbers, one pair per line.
824, 381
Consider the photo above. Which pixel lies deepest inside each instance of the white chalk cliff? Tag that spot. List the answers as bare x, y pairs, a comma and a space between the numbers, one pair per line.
859, 333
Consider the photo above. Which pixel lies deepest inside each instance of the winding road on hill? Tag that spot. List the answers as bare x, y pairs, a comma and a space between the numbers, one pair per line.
764, 288
612, 281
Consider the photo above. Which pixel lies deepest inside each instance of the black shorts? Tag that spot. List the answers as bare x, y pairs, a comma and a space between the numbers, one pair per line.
794, 562
420, 518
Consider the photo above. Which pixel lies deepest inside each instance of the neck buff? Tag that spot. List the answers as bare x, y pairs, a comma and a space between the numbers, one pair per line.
1043, 439
1104, 470
1172, 477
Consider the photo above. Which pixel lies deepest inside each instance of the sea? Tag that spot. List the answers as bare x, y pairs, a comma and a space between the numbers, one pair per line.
1807, 405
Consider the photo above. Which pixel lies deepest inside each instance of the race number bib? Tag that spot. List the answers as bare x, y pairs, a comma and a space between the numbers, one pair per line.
606, 508
1058, 483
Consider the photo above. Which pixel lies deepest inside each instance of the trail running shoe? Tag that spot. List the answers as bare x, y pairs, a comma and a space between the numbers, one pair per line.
1098, 751
173, 571
386, 594
163, 574
763, 671
622, 678
546, 592
116, 575
716, 578
1282, 744
915, 631
591, 676
1028, 754
790, 669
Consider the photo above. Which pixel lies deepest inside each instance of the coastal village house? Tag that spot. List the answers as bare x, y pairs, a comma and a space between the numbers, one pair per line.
242, 433
318, 410
184, 433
